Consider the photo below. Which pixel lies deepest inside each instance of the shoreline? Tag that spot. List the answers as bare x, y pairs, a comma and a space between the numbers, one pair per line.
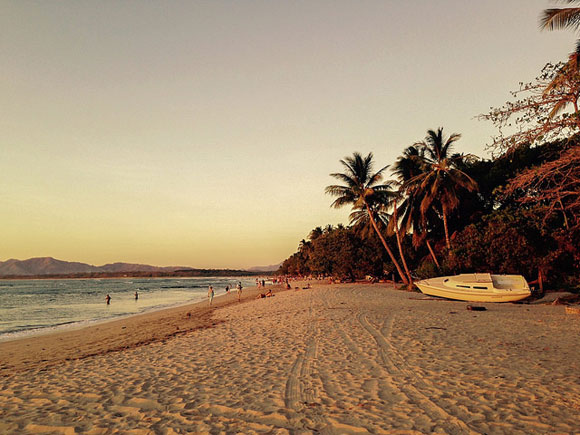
337, 359
74, 325
47, 348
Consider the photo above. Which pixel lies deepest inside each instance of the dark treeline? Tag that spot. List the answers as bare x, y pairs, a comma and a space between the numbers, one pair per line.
492, 226
443, 212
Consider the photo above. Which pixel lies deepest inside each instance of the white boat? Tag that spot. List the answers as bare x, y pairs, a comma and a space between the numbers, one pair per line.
477, 287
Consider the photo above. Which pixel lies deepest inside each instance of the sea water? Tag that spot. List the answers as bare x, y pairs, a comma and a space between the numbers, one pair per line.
30, 307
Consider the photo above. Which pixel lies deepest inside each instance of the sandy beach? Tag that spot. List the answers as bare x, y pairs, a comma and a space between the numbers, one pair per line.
332, 359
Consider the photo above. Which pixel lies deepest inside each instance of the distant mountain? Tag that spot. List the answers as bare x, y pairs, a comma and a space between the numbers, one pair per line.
128, 267
52, 266
271, 268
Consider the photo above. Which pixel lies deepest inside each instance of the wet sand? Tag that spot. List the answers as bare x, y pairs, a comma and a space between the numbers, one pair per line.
332, 359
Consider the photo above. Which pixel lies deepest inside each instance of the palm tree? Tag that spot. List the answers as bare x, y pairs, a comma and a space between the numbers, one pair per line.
408, 166
362, 191
380, 208
315, 233
439, 180
393, 222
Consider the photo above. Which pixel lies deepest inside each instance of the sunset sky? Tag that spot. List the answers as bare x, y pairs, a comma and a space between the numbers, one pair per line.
202, 133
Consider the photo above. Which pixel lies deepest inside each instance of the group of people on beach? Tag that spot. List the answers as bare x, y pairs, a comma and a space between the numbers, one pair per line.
211, 293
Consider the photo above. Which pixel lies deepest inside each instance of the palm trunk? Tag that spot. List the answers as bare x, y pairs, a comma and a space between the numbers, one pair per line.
393, 259
447, 240
399, 243
433, 254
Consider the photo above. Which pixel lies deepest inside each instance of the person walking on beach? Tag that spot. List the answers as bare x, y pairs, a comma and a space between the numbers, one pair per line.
210, 295
136, 295
108, 299
239, 289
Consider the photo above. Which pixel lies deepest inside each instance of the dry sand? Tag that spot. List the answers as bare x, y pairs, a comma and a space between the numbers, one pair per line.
333, 359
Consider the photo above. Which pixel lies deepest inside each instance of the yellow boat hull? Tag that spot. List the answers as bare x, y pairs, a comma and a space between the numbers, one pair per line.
477, 287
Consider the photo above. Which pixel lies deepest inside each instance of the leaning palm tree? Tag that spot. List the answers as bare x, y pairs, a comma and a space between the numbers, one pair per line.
440, 179
392, 222
411, 220
380, 208
409, 165
362, 190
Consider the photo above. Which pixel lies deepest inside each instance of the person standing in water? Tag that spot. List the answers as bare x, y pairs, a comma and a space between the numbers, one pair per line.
136, 295
108, 299
210, 295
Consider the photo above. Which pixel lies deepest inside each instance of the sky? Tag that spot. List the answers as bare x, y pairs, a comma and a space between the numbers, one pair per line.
203, 133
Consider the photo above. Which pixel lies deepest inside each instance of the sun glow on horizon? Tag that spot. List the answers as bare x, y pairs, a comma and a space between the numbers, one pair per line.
203, 134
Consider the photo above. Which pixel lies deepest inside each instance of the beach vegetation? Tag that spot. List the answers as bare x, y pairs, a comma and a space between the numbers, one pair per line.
364, 191
523, 218
342, 252
439, 179
517, 212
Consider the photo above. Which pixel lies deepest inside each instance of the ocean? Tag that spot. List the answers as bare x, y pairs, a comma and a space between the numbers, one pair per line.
29, 307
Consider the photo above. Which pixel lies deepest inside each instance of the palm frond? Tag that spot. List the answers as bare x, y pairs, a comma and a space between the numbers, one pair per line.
565, 18
448, 145
336, 190
350, 181
339, 202
558, 108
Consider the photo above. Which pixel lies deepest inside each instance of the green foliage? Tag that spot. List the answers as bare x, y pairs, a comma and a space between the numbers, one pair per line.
492, 231
427, 269
517, 213
340, 252
513, 241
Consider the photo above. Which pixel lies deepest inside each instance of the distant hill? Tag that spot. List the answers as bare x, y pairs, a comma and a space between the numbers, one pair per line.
271, 268
48, 267
51, 266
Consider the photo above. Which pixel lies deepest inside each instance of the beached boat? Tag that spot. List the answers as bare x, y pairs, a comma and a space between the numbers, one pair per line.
477, 287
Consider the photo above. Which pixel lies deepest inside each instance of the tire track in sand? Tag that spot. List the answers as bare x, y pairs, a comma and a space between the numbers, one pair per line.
396, 368
363, 385
301, 393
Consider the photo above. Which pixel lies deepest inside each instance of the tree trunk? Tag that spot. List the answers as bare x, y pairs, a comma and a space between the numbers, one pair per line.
393, 259
433, 254
575, 102
399, 243
563, 213
447, 240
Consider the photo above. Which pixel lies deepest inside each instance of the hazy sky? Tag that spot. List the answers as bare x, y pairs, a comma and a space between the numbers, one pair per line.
202, 133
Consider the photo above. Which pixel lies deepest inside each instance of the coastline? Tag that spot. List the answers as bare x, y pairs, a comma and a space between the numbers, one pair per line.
50, 347
341, 358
